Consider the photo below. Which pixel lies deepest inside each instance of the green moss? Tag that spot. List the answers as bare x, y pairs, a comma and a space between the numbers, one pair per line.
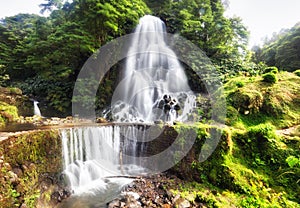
270, 78
297, 72
272, 69
232, 115
247, 169
34, 154
8, 113
258, 102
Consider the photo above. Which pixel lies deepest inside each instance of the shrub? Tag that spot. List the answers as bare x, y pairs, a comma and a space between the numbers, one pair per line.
232, 115
273, 69
292, 161
270, 77
4, 79
297, 72
240, 84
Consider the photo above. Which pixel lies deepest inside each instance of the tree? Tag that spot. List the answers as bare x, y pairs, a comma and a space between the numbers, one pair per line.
282, 50
50, 5
223, 39
44, 55
106, 20
15, 33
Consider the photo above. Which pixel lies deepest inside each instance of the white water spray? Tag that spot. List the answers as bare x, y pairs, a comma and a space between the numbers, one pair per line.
152, 71
153, 87
36, 109
92, 153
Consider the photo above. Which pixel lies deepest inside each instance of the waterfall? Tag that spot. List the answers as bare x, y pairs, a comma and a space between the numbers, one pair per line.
92, 153
36, 109
153, 85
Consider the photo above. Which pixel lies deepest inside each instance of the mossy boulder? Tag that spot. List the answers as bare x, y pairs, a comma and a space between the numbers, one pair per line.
246, 100
8, 113
272, 69
270, 78
29, 164
259, 102
13, 96
208, 152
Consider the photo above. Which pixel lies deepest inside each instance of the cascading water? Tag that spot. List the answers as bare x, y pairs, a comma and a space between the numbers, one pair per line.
36, 109
92, 154
154, 85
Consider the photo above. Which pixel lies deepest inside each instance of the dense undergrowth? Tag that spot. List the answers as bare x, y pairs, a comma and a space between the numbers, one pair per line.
257, 161
251, 101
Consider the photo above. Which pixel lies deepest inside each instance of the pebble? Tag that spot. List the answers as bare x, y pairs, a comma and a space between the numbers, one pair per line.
7, 166
151, 192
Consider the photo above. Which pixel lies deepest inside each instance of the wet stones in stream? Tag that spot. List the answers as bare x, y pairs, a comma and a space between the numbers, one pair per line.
152, 191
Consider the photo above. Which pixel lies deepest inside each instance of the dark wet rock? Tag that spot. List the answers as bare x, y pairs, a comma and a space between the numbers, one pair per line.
151, 191
114, 204
60, 194
101, 120
18, 171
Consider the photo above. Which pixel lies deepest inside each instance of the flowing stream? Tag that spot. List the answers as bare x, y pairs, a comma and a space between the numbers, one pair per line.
153, 87
92, 155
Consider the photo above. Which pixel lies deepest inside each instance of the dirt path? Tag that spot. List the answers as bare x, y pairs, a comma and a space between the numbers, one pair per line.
288, 131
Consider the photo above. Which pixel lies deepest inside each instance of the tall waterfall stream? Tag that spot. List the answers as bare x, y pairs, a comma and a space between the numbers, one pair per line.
153, 87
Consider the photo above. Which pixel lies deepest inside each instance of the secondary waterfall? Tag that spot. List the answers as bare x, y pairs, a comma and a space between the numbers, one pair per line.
92, 153
36, 109
154, 85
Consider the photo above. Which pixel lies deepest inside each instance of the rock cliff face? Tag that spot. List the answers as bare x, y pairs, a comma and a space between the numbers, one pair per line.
13, 104
30, 164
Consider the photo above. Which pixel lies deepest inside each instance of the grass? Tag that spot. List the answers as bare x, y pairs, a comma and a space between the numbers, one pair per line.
259, 102
254, 173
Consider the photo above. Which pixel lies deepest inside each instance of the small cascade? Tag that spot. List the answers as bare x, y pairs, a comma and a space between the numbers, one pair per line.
36, 109
152, 72
91, 154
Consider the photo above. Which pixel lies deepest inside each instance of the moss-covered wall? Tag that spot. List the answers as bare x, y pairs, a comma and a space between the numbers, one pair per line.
30, 163
13, 96
249, 168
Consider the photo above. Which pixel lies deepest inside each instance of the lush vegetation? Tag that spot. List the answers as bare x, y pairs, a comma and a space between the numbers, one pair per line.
282, 50
43, 56
257, 162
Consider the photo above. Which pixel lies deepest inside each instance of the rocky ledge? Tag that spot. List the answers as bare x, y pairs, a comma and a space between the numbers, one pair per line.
153, 191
